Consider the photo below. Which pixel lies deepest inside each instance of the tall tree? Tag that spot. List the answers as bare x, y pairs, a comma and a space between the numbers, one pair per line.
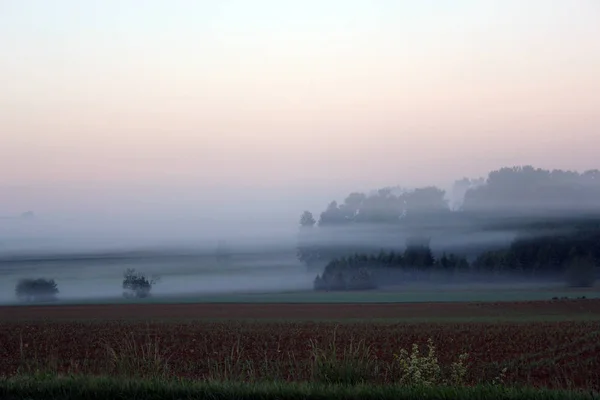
307, 220
307, 251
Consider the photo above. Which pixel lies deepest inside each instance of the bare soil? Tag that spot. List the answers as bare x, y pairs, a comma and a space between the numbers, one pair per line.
270, 311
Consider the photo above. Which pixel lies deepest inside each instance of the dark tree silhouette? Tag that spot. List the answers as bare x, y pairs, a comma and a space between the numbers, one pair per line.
533, 190
364, 271
307, 252
36, 290
555, 215
136, 284
307, 220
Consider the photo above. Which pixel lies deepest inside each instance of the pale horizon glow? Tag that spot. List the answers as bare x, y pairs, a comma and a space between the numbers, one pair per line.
294, 94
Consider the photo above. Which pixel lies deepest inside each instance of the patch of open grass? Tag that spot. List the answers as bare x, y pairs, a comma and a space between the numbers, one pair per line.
92, 388
403, 295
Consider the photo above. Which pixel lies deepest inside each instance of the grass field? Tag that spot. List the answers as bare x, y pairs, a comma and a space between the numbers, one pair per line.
405, 295
80, 388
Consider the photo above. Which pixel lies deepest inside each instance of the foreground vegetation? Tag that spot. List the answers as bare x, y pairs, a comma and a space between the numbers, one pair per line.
559, 355
79, 388
297, 360
338, 370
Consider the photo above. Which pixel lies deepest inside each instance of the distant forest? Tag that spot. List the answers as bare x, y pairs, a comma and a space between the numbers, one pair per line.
520, 221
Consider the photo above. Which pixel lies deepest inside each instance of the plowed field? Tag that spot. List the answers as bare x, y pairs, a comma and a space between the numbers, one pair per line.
310, 311
555, 354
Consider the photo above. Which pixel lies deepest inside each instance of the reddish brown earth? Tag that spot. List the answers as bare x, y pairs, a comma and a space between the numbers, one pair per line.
311, 311
559, 354
182, 340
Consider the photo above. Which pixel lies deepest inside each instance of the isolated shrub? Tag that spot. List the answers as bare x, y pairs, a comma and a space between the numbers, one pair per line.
419, 369
581, 272
424, 369
36, 290
136, 284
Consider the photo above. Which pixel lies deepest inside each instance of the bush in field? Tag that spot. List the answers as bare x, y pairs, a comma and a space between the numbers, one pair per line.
136, 284
358, 364
36, 290
581, 272
425, 370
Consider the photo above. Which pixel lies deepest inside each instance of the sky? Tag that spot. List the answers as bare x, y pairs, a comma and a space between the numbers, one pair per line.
108, 99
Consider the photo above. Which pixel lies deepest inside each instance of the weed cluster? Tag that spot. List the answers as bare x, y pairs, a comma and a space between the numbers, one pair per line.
330, 363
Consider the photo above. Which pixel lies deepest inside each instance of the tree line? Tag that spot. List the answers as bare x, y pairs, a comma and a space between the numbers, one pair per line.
555, 216
577, 262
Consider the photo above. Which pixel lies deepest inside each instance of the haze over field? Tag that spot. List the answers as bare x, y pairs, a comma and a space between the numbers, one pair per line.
173, 126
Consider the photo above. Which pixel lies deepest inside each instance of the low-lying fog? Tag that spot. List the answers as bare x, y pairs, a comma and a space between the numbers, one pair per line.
99, 279
90, 266
82, 237
87, 250
80, 283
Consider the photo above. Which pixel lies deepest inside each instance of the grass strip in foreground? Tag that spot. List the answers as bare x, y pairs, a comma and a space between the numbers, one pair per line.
79, 388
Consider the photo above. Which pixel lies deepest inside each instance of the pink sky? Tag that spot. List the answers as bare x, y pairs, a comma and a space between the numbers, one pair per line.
364, 93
